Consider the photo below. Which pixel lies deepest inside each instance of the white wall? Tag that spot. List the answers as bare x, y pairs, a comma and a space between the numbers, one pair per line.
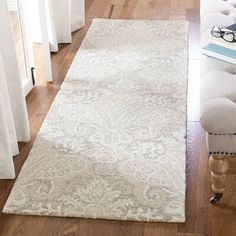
33, 20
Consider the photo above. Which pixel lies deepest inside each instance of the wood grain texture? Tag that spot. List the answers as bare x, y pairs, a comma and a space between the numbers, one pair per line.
202, 218
219, 166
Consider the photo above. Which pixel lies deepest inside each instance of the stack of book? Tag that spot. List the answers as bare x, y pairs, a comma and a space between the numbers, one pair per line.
220, 49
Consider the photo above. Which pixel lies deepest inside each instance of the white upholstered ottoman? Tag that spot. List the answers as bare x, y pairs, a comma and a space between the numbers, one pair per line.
218, 95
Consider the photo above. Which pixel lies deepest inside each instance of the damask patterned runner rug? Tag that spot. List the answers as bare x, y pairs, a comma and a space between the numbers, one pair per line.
113, 143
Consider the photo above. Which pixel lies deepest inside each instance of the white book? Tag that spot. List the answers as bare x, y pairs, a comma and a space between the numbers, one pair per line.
221, 42
219, 52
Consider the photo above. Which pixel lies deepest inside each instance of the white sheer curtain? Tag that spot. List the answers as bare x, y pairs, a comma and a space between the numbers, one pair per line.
63, 18
13, 115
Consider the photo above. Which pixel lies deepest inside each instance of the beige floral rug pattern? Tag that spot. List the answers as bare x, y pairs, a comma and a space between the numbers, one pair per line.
113, 143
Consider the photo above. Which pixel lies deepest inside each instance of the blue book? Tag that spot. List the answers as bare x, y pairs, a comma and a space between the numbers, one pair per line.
221, 53
231, 27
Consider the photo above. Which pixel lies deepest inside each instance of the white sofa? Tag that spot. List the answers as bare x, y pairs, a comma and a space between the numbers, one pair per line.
218, 95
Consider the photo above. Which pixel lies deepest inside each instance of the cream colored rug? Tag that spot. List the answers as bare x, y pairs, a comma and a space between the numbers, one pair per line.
113, 143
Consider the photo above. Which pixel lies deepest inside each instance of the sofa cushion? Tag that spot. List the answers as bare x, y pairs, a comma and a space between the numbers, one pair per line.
218, 116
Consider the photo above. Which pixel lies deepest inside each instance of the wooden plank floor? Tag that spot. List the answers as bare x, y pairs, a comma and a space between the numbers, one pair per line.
202, 219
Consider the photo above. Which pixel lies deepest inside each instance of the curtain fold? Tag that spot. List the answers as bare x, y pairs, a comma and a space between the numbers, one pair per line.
63, 18
14, 125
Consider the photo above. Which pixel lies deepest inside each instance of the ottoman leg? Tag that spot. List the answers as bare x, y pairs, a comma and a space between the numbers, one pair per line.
219, 166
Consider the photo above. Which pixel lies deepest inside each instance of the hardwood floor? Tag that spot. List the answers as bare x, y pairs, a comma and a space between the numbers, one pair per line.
202, 218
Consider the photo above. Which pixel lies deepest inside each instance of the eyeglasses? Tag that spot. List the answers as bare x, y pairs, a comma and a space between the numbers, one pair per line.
228, 36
